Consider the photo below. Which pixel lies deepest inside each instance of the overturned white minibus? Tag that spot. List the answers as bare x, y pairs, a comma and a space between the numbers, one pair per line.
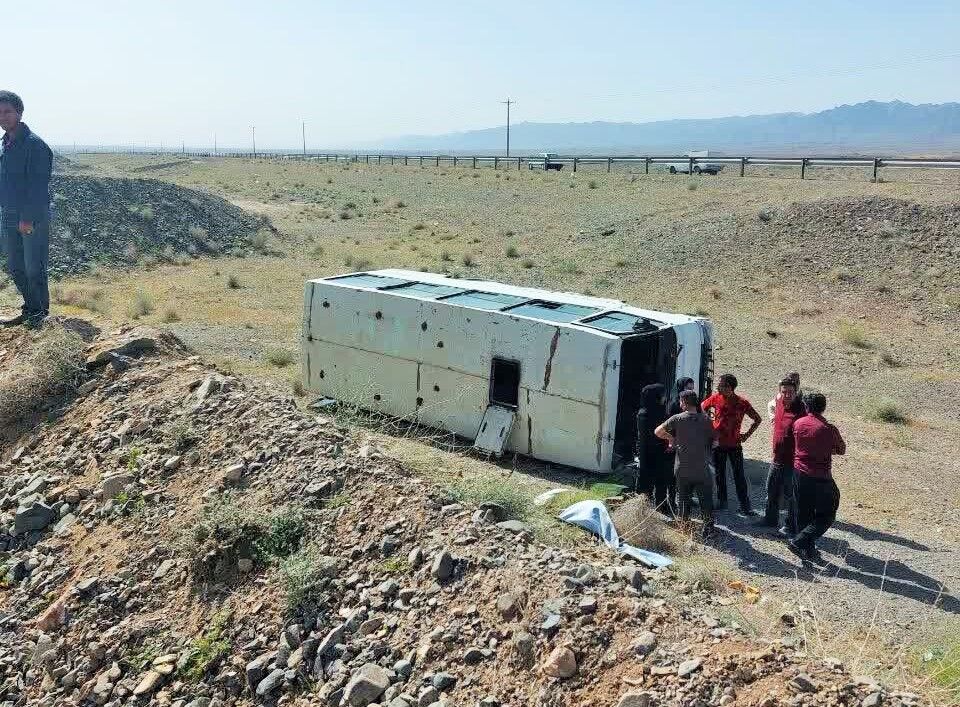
556, 376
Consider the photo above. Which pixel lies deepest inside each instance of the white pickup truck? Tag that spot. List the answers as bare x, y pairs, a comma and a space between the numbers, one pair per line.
545, 162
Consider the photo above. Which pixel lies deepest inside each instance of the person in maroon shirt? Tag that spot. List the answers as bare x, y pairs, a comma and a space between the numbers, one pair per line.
816, 493
787, 409
728, 410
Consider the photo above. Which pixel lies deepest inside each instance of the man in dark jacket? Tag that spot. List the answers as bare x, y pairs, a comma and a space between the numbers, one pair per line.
651, 450
25, 166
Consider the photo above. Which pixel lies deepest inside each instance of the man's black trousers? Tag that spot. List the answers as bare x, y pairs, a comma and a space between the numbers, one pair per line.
735, 455
817, 504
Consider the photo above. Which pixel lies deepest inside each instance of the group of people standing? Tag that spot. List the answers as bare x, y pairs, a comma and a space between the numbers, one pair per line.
677, 444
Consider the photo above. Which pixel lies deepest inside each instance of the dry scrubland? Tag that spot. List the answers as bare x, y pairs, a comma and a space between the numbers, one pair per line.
859, 293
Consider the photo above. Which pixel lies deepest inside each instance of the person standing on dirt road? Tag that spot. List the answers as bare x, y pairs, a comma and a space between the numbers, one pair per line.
729, 409
691, 434
788, 409
818, 498
26, 163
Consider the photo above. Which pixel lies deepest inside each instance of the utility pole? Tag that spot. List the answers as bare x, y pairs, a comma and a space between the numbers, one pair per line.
253, 129
508, 103
214, 144
303, 130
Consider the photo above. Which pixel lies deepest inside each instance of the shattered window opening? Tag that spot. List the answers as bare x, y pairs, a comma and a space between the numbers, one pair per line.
622, 323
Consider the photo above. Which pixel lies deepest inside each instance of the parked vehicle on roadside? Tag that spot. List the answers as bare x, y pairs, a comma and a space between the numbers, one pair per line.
698, 166
545, 163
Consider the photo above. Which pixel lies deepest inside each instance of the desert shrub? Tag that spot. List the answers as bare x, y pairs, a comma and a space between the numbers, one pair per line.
363, 264
852, 335
205, 651
297, 388
511, 251
316, 252
223, 534
171, 315
283, 535
445, 256
692, 186
887, 410
419, 227
592, 184
305, 575
142, 305
396, 565
49, 370
467, 260
147, 214
260, 241
93, 300
570, 267
180, 436
233, 282
527, 263
278, 357
501, 491
766, 215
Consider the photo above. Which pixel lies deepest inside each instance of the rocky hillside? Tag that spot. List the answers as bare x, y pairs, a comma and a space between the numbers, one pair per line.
176, 536
121, 221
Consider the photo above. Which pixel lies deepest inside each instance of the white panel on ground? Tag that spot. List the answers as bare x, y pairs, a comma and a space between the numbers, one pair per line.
494, 429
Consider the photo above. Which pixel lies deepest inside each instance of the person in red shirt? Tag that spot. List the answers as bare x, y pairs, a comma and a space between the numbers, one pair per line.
817, 495
728, 410
787, 409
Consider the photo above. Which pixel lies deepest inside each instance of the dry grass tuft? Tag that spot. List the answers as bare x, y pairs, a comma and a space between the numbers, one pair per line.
854, 336
639, 524
887, 410
91, 299
50, 370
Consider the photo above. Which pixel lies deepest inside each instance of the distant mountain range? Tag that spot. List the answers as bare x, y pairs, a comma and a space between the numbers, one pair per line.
871, 127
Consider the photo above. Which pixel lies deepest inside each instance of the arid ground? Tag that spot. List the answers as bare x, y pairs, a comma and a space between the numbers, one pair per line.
854, 284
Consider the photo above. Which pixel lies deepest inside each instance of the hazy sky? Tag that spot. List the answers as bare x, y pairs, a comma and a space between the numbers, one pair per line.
144, 72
